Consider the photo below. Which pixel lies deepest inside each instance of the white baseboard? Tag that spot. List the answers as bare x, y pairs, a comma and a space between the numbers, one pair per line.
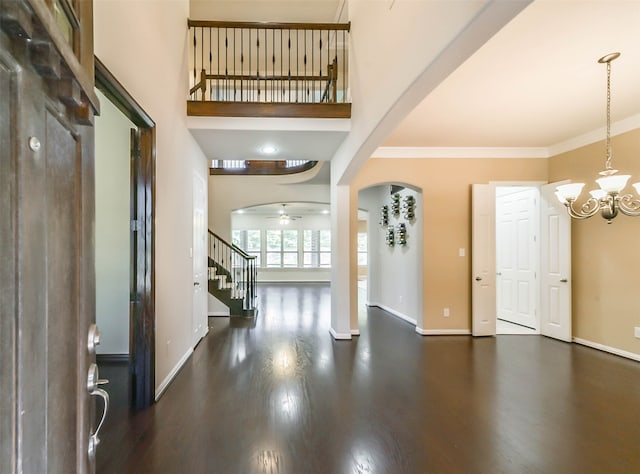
443, 332
167, 380
611, 350
339, 336
397, 314
355, 332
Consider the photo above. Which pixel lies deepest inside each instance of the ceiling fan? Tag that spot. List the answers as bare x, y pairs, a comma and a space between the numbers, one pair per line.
284, 217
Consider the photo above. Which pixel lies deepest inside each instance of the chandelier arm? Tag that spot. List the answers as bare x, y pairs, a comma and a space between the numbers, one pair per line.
588, 209
629, 205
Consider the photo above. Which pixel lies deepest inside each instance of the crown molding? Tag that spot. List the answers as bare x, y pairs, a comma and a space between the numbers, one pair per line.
460, 152
617, 128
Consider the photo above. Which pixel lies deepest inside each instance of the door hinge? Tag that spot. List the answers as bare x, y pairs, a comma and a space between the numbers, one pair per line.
136, 225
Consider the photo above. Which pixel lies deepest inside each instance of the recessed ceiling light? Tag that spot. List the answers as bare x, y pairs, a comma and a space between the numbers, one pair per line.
325, 211
268, 149
240, 211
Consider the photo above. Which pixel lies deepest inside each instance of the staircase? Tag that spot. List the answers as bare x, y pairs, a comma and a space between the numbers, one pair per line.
232, 277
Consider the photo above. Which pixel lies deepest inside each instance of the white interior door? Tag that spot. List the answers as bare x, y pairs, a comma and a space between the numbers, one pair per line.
199, 259
555, 267
483, 261
517, 255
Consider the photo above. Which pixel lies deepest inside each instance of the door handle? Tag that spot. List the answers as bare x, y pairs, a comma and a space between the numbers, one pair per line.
564, 280
93, 387
478, 279
196, 283
499, 273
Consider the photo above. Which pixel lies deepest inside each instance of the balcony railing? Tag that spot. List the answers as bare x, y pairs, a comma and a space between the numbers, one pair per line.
259, 167
269, 69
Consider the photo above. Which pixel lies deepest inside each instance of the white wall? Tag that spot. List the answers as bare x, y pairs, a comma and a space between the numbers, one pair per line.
144, 44
113, 173
395, 273
228, 193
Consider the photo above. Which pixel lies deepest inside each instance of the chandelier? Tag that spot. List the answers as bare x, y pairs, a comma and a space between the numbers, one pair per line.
607, 199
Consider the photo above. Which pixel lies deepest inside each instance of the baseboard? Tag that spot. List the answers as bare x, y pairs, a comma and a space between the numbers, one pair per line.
112, 357
355, 332
340, 336
443, 332
169, 378
397, 314
611, 350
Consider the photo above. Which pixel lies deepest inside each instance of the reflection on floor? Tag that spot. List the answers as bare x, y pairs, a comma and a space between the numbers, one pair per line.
284, 397
506, 327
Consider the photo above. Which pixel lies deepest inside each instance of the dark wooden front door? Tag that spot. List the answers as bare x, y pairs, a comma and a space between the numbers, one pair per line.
47, 285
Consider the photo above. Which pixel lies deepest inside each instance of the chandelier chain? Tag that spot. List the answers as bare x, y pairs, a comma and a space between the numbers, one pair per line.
608, 143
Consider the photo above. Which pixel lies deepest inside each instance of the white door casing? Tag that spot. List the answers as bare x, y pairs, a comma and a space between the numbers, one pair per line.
555, 267
199, 321
517, 255
483, 261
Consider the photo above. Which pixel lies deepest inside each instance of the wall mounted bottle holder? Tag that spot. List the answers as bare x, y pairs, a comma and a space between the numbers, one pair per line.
401, 234
409, 208
395, 204
384, 216
390, 237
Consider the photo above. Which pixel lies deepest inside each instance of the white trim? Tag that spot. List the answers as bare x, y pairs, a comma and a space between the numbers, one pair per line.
395, 313
617, 128
611, 350
460, 152
169, 378
443, 332
355, 332
339, 336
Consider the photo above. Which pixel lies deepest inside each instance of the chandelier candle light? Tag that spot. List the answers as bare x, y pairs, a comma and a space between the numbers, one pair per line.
607, 199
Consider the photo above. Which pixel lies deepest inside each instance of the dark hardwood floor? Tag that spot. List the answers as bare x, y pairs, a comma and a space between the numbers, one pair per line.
283, 397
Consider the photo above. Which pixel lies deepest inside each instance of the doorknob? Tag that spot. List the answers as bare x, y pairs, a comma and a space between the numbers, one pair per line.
564, 280
499, 273
93, 383
478, 279
196, 283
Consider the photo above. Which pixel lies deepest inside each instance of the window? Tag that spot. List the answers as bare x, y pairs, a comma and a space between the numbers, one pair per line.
317, 248
362, 248
248, 240
286, 248
282, 248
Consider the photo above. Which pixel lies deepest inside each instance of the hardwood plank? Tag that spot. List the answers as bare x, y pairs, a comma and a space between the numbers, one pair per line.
283, 397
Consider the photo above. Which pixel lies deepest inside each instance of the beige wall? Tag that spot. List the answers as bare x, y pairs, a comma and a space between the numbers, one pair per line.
446, 224
606, 258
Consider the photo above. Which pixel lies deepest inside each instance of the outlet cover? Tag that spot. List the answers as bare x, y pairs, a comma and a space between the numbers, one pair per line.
636, 332
445, 312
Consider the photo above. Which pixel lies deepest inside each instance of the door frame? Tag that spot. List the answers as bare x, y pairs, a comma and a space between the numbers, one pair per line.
143, 185
538, 251
493, 185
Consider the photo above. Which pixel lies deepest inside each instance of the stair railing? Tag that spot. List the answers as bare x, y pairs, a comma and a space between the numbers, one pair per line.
238, 266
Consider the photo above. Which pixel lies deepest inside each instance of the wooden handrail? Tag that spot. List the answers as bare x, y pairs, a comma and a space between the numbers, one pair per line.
237, 249
258, 25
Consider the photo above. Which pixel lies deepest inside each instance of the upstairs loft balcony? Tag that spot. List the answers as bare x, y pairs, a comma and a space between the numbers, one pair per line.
245, 69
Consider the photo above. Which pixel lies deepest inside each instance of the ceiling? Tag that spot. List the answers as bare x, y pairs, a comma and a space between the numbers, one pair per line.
536, 83
292, 209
